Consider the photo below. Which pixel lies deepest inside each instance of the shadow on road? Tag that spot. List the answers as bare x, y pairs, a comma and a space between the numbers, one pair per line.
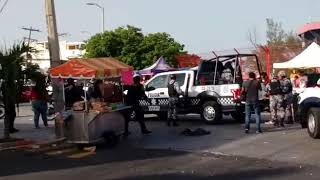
275, 173
15, 163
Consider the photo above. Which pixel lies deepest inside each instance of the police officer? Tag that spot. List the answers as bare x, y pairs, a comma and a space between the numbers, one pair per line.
136, 93
276, 101
174, 93
286, 87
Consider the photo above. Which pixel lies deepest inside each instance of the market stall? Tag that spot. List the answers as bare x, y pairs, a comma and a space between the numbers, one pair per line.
95, 119
305, 66
309, 58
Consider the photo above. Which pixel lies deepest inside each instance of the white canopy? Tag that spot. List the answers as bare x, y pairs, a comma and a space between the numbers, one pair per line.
309, 58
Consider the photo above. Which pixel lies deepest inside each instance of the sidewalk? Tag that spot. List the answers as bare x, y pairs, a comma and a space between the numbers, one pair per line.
28, 132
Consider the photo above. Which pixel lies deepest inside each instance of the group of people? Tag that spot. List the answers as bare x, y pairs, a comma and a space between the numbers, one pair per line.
278, 89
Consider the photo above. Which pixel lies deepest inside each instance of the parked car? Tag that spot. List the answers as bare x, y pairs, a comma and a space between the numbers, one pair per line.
204, 92
309, 111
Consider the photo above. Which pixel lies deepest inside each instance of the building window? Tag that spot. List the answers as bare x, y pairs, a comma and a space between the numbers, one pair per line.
72, 47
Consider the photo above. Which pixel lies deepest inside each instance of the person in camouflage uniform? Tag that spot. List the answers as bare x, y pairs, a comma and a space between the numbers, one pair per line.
174, 93
286, 87
276, 101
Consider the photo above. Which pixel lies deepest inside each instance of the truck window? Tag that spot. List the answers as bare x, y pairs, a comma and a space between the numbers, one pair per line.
206, 73
181, 79
159, 82
249, 64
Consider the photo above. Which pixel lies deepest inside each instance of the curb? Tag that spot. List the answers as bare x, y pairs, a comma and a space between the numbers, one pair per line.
15, 144
49, 143
22, 143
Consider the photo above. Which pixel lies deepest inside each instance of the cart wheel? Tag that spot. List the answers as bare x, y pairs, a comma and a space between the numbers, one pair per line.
111, 139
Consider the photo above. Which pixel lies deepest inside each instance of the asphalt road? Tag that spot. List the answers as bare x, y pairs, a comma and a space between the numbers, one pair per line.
131, 163
227, 153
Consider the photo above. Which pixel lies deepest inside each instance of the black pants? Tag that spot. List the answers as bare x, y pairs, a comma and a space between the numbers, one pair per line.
139, 116
11, 115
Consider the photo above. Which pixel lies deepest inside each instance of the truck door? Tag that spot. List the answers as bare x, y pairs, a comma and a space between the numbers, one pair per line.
157, 93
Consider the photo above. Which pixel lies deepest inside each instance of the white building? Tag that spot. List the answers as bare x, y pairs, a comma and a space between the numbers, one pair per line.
40, 54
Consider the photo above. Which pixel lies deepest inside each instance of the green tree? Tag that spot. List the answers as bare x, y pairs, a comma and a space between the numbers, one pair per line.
132, 47
12, 73
160, 44
10, 60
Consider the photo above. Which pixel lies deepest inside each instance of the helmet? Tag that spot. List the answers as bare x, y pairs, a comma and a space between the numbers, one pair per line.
318, 82
172, 76
282, 74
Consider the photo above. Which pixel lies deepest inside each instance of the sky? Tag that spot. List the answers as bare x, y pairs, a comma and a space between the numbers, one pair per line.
201, 25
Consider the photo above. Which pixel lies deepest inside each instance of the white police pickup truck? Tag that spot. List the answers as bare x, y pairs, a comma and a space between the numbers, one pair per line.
309, 111
204, 90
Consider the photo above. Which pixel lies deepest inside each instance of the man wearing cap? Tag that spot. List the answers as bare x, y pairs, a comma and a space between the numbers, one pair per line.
286, 87
136, 93
276, 101
174, 93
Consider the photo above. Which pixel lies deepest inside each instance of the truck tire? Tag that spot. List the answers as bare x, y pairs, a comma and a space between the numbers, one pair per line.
211, 112
239, 116
313, 119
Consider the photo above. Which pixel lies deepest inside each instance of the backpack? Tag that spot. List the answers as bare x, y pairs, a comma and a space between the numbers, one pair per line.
171, 91
275, 88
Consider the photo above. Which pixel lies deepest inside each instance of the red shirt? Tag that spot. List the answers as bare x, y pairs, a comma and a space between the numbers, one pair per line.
34, 95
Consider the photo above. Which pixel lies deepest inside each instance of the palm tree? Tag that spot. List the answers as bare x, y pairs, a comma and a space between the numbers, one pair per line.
11, 61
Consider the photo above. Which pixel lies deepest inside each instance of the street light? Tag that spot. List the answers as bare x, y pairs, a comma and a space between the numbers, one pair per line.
102, 9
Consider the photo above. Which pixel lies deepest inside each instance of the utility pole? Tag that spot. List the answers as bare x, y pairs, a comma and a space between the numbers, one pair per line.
31, 29
55, 61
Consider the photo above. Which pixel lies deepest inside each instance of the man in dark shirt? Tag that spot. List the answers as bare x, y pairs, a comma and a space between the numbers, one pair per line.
136, 93
251, 89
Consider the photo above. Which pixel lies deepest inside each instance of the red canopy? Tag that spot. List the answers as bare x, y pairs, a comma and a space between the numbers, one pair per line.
90, 68
309, 27
187, 61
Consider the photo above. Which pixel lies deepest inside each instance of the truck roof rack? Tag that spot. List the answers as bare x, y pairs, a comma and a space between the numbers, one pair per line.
230, 56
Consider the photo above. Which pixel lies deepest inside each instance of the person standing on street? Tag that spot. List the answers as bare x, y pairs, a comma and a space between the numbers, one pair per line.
251, 90
174, 93
136, 93
276, 102
39, 97
287, 88
10, 109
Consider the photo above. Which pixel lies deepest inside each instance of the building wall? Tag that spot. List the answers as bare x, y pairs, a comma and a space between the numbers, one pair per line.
40, 53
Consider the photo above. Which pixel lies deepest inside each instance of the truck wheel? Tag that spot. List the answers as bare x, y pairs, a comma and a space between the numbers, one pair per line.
163, 116
238, 116
111, 139
313, 117
211, 112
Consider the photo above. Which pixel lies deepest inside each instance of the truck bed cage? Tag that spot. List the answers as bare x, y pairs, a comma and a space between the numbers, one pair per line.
223, 58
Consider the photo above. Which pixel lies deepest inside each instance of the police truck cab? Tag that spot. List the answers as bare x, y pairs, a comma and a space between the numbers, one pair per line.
211, 90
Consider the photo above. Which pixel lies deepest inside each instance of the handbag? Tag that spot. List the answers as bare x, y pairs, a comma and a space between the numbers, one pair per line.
243, 95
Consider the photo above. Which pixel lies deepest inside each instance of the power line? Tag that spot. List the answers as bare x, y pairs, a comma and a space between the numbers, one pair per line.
3, 6
31, 29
